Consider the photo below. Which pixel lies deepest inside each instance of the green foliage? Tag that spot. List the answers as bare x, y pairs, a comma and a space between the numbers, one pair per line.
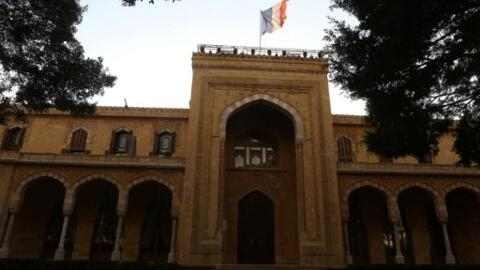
415, 62
42, 65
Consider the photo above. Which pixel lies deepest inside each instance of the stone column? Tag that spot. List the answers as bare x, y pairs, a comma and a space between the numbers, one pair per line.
6, 238
398, 229
60, 251
449, 257
347, 241
116, 254
173, 240
394, 214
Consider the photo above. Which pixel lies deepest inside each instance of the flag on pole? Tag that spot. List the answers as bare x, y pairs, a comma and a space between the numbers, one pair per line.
273, 18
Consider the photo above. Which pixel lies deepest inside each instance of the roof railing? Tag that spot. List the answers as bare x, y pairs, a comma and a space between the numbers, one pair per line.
278, 52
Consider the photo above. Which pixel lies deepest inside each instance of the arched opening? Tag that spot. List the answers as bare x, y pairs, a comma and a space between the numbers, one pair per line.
94, 221
148, 223
256, 230
39, 222
260, 155
370, 231
422, 240
463, 207
344, 150
78, 141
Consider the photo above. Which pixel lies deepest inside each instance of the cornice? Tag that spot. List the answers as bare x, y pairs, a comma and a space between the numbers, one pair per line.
244, 62
356, 168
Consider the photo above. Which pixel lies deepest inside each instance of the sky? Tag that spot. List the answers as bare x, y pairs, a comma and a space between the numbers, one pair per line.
149, 47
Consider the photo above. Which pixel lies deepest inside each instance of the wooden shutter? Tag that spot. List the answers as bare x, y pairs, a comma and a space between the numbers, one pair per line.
172, 143
113, 142
21, 136
4, 140
155, 144
130, 143
79, 140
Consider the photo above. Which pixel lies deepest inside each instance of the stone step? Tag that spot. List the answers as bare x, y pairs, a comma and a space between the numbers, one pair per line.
265, 267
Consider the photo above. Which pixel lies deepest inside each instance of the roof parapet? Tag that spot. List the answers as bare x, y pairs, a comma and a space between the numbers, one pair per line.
245, 50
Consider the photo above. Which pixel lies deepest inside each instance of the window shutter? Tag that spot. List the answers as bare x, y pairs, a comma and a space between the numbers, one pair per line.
345, 153
20, 140
172, 143
113, 142
130, 143
78, 140
155, 144
133, 147
4, 140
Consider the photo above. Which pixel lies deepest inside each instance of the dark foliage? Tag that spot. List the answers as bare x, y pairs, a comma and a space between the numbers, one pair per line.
42, 65
133, 2
417, 65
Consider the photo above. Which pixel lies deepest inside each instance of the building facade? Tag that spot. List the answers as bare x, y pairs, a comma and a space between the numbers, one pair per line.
256, 171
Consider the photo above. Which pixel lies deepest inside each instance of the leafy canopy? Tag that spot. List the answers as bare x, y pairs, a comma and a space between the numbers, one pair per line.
417, 65
42, 65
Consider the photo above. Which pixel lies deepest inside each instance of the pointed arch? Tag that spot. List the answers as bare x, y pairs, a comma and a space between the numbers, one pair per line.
346, 195
437, 198
290, 111
73, 190
16, 197
105, 177
160, 180
458, 185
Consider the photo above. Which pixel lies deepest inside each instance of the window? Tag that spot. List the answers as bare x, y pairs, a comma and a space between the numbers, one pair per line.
13, 139
78, 141
122, 142
345, 153
164, 143
255, 150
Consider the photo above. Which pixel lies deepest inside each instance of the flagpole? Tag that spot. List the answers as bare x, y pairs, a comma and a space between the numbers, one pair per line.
260, 36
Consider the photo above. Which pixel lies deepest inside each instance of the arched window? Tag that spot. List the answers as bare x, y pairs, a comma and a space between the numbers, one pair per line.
78, 141
122, 142
13, 139
345, 153
164, 143
255, 150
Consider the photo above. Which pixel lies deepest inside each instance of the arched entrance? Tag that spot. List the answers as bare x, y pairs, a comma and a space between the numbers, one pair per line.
463, 207
94, 221
256, 230
370, 231
260, 155
39, 222
148, 223
423, 242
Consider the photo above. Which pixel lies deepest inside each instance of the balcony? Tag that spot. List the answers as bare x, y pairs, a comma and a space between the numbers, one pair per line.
406, 169
92, 160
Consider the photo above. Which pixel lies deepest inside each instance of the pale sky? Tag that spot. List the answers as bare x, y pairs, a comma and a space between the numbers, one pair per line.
149, 47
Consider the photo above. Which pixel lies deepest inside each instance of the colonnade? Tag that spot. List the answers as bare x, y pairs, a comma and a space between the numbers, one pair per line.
165, 201
411, 226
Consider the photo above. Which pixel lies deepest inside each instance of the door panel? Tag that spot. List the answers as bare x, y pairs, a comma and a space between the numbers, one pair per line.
256, 230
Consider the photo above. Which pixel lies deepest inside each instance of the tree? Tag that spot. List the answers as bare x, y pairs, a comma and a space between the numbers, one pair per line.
417, 65
42, 65
133, 2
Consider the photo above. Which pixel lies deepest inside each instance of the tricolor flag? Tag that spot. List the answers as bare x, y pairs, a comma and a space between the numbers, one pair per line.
273, 18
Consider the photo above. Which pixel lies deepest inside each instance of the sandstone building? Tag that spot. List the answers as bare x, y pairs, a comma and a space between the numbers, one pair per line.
256, 171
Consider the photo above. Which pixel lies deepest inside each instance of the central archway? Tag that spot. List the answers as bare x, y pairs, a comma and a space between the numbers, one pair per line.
260, 155
256, 230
